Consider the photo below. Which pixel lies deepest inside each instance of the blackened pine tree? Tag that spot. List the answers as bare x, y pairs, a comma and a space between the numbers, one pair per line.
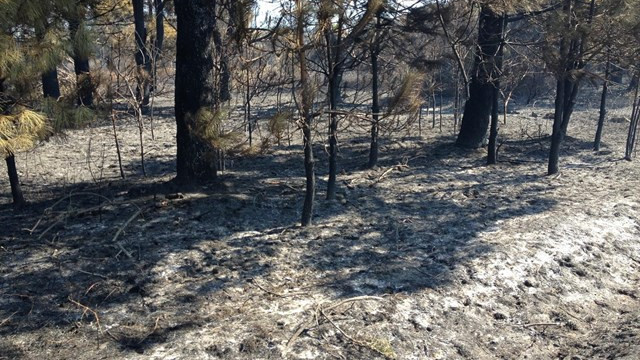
158, 43
477, 109
194, 89
142, 56
332, 17
81, 52
306, 108
569, 71
375, 93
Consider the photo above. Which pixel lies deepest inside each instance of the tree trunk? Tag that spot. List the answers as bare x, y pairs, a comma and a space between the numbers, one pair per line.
557, 135
50, 84
571, 56
633, 126
603, 109
492, 155
84, 84
477, 109
143, 60
375, 106
159, 40
307, 103
194, 89
16, 190
224, 92
334, 61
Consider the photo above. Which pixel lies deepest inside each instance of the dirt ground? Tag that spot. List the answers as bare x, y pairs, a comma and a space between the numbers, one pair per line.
432, 255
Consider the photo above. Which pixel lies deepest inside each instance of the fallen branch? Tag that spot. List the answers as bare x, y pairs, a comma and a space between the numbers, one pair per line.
306, 325
86, 308
8, 318
121, 229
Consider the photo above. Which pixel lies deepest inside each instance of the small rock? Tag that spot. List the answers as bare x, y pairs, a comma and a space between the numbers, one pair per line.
174, 196
499, 316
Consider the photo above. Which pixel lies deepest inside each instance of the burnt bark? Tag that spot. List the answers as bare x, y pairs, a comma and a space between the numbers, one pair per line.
603, 109
335, 63
16, 190
306, 109
375, 103
50, 84
633, 126
477, 109
568, 84
142, 56
84, 84
194, 89
158, 42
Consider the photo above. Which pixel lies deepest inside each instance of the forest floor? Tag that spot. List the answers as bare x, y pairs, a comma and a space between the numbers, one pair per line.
432, 255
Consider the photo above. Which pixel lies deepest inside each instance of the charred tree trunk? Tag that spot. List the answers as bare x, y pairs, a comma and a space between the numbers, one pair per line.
50, 84
224, 93
194, 89
492, 154
334, 60
12, 172
571, 56
375, 103
84, 84
603, 108
306, 108
633, 126
143, 60
477, 109
16, 190
159, 41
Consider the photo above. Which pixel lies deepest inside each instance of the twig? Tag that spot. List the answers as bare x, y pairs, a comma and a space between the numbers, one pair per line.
385, 173
61, 200
86, 308
8, 318
94, 274
309, 323
155, 327
536, 324
121, 229
276, 293
354, 340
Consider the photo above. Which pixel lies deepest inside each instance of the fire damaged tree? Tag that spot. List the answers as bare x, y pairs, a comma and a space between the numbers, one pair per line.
477, 109
81, 52
338, 39
305, 108
571, 62
375, 93
195, 90
142, 56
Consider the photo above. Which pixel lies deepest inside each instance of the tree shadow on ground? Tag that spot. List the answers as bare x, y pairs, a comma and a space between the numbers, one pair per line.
414, 229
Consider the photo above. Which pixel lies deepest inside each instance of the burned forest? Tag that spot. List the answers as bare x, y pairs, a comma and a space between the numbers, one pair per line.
320, 179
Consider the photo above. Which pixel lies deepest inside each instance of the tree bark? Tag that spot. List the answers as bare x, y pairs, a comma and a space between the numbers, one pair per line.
84, 84
603, 109
306, 107
50, 84
571, 57
335, 62
224, 91
16, 190
375, 103
143, 59
633, 126
477, 109
194, 89
158, 42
